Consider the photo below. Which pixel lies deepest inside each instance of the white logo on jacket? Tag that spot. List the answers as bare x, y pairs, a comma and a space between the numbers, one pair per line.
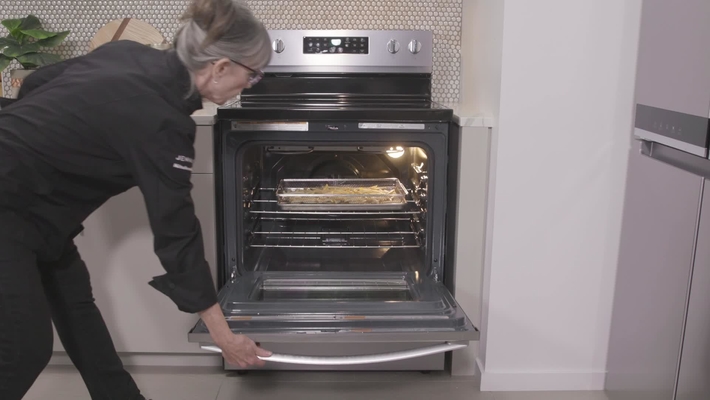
184, 160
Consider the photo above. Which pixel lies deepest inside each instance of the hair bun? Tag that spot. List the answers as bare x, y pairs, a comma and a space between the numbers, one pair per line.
215, 17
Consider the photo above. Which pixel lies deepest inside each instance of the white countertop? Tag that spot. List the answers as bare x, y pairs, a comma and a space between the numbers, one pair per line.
464, 115
467, 115
206, 115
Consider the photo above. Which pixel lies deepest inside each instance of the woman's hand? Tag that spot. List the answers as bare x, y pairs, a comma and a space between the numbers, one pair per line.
236, 349
242, 351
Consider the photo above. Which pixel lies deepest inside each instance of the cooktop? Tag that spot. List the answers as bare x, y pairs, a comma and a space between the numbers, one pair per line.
322, 108
323, 103
344, 75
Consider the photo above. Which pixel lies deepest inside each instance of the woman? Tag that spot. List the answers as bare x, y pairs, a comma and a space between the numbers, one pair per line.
85, 130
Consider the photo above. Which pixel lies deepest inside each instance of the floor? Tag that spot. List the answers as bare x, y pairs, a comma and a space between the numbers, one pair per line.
63, 383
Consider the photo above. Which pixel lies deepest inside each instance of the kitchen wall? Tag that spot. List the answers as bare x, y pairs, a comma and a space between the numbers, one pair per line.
481, 43
559, 157
443, 17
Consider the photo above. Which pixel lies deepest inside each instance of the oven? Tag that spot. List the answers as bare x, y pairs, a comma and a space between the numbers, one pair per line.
336, 187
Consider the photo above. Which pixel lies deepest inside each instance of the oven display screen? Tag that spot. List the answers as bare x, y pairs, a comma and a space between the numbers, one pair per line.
336, 45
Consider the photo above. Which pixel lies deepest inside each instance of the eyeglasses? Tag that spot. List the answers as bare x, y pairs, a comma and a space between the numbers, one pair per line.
254, 76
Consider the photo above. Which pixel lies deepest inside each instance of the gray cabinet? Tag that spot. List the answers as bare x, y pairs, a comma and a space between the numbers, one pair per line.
117, 246
694, 374
655, 261
204, 154
660, 332
673, 70
659, 344
470, 236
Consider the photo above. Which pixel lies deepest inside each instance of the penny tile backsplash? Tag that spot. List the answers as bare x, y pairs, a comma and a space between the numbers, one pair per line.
84, 18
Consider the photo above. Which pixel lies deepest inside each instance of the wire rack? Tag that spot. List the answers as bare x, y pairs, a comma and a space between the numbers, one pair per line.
358, 229
360, 233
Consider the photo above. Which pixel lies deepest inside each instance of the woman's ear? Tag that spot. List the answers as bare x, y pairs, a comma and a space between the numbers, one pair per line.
219, 68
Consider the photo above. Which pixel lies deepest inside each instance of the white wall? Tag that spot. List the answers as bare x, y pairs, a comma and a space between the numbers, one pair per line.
481, 43
565, 114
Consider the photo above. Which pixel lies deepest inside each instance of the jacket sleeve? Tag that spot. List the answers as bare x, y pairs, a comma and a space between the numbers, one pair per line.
162, 167
5, 102
42, 76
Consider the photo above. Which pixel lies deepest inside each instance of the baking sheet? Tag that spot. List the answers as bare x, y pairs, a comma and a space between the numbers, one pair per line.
386, 194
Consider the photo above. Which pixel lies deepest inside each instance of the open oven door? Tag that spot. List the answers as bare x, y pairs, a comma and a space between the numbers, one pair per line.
341, 319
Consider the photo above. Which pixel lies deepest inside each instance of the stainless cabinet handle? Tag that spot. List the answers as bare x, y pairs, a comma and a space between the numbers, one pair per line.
355, 360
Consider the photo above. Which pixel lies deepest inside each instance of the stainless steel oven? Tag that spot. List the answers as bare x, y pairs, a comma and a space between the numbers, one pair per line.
336, 189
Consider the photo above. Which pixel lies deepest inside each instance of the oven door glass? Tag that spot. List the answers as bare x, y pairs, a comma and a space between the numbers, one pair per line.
315, 307
342, 307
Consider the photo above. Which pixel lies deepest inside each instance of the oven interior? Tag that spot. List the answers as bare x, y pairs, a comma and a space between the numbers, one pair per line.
389, 246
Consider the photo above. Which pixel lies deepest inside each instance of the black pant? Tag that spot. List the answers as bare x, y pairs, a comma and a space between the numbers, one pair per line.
32, 295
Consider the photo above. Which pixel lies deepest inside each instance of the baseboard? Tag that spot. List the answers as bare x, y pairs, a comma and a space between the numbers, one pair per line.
479, 367
539, 381
154, 360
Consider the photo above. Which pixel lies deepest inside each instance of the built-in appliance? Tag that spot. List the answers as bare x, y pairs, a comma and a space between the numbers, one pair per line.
660, 329
336, 194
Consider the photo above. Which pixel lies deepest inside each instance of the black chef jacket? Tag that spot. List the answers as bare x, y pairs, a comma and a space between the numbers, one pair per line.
91, 127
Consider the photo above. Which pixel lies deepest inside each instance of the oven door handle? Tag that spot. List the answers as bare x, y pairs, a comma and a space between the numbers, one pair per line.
308, 150
356, 360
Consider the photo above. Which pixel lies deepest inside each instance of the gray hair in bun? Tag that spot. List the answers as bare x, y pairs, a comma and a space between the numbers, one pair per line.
216, 29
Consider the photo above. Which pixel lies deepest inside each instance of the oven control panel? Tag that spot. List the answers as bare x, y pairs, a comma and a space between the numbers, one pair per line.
336, 45
351, 51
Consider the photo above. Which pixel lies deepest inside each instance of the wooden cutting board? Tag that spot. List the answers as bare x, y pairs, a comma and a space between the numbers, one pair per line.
126, 29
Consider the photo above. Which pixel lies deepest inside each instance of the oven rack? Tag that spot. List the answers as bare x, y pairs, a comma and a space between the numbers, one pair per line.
353, 233
264, 202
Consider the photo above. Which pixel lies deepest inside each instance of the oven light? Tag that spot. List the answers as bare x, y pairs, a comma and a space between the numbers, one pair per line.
395, 152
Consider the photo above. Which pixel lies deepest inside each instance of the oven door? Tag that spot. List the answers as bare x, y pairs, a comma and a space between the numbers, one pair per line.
337, 288
342, 309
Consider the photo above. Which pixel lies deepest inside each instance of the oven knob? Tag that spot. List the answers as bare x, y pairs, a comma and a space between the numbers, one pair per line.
415, 46
278, 46
393, 46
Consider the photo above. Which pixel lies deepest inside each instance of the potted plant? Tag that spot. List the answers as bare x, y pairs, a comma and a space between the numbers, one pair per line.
24, 43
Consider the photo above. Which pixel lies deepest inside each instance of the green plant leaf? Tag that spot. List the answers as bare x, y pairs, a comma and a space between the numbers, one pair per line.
12, 25
15, 51
7, 42
4, 62
38, 33
53, 41
29, 23
16, 26
38, 59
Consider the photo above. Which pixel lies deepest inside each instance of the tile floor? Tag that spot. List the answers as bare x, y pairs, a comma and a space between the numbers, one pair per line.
63, 383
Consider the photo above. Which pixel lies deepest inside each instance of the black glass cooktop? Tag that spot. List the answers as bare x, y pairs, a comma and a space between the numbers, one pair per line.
315, 103
329, 108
